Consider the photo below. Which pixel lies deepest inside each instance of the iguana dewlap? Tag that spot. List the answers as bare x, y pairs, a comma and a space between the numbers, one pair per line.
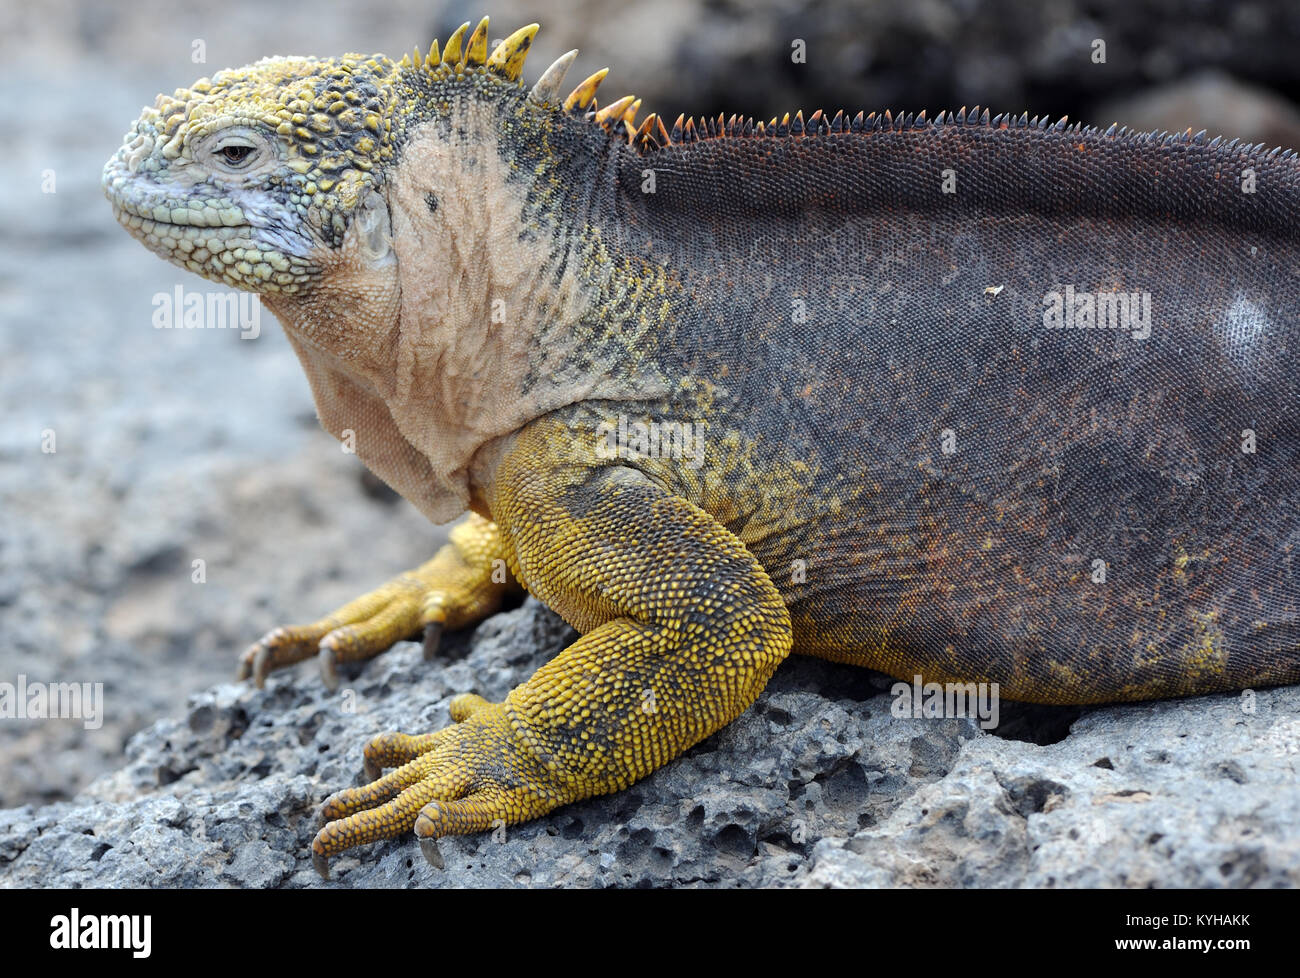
979, 399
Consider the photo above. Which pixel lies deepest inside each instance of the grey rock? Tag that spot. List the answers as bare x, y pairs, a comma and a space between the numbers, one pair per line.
818, 784
1181, 793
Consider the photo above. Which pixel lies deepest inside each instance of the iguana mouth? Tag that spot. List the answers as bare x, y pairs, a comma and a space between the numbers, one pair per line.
205, 217
212, 237
195, 213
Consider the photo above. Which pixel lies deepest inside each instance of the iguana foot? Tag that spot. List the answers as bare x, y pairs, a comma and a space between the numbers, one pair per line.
476, 775
464, 583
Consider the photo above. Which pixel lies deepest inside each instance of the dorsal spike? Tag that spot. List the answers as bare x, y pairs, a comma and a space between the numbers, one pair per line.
434, 58
660, 132
507, 59
760, 130
613, 112
678, 126
629, 118
837, 124
547, 89
583, 95
476, 46
455, 46
646, 127
688, 133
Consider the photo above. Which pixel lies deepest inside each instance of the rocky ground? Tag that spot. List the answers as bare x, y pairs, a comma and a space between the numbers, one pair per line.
173, 446
817, 785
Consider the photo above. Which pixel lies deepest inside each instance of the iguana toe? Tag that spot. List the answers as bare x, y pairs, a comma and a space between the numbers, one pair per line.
393, 750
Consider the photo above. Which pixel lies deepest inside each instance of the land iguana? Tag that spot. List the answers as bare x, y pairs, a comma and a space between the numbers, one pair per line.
970, 398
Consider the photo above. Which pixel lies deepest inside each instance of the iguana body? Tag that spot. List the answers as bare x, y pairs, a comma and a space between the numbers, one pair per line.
900, 463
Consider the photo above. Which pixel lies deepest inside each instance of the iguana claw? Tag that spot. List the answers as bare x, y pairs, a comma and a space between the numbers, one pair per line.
432, 637
432, 855
328, 659
261, 665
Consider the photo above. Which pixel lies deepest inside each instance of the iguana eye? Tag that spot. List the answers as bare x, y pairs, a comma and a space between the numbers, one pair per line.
234, 150
235, 155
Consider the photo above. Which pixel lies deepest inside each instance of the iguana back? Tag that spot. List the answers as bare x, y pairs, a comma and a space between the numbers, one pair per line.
944, 478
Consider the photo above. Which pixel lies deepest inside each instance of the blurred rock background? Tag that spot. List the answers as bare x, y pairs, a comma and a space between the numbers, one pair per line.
176, 446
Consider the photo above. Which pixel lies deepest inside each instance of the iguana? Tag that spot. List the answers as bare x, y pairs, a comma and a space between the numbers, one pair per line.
979, 399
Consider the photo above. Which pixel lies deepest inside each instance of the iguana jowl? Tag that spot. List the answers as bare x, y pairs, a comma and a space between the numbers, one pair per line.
904, 417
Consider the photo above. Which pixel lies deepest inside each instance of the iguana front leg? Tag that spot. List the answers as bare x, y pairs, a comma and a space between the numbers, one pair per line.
682, 629
464, 583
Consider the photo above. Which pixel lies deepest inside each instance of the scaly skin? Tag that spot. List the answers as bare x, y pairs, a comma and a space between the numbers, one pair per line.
482, 283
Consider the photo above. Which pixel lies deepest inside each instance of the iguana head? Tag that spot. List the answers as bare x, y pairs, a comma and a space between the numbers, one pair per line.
253, 178
401, 219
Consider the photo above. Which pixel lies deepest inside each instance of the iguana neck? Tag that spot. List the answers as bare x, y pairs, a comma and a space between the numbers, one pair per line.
490, 299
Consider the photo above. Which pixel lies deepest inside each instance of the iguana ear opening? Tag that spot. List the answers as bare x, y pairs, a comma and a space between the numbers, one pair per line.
374, 228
